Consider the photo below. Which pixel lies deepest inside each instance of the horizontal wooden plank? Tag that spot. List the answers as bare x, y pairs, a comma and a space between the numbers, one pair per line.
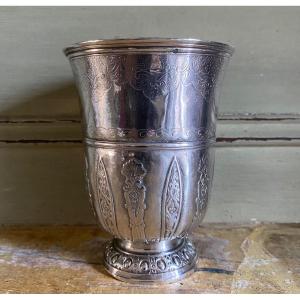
258, 117
36, 79
44, 183
258, 132
42, 130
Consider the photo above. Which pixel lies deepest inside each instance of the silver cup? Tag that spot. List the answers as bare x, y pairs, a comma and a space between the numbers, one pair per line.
149, 117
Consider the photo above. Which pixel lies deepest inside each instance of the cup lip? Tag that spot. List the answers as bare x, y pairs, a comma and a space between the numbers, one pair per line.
146, 44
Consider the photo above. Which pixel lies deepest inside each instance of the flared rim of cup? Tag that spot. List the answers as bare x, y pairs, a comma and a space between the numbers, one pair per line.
174, 45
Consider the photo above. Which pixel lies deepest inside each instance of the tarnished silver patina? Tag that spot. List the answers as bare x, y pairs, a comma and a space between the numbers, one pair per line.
149, 117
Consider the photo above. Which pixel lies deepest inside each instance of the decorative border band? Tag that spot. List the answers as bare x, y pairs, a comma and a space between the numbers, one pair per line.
150, 264
157, 135
148, 146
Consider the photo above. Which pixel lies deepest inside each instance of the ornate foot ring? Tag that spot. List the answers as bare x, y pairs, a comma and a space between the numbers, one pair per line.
153, 266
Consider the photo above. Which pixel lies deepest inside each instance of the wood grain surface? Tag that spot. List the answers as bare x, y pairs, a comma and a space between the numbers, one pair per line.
69, 259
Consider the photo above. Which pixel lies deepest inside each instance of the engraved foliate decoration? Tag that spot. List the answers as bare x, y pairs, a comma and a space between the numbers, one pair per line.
151, 264
96, 85
205, 73
108, 74
203, 186
134, 194
88, 185
151, 78
97, 78
116, 67
172, 201
105, 73
104, 198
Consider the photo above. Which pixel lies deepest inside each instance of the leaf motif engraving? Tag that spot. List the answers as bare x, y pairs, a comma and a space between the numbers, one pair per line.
151, 77
156, 77
134, 194
96, 78
89, 189
104, 198
172, 201
203, 187
205, 74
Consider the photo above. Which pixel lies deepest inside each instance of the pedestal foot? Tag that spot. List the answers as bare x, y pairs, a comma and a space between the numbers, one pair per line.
166, 261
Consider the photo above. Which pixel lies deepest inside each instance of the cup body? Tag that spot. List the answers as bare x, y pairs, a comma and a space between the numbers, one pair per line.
149, 110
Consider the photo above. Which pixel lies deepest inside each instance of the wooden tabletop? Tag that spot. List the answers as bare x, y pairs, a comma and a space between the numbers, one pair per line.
69, 259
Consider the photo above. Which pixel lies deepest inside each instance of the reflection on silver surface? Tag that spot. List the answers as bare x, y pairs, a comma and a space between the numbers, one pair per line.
149, 118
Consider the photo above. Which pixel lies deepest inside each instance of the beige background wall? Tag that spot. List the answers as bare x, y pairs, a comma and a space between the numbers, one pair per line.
257, 173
